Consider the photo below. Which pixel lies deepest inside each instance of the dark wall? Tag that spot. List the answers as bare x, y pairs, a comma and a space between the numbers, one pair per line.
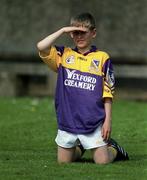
121, 25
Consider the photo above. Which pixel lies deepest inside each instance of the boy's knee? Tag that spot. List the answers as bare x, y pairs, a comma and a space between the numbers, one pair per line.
102, 161
65, 155
101, 156
63, 160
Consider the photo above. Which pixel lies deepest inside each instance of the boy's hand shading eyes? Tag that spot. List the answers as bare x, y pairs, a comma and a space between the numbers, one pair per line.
73, 29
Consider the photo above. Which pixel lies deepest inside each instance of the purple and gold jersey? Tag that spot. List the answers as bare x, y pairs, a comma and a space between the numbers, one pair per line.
83, 83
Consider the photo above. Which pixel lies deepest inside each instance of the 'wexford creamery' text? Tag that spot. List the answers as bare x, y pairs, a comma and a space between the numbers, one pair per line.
79, 81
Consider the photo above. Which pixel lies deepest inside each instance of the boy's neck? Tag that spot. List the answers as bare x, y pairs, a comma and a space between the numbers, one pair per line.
85, 51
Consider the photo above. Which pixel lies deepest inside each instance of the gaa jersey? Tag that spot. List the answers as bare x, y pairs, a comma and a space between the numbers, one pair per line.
82, 84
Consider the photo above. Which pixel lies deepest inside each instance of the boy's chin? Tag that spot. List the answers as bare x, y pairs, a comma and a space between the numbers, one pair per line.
81, 46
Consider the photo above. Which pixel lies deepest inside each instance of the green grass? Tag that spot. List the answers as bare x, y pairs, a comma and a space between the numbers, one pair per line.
28, 151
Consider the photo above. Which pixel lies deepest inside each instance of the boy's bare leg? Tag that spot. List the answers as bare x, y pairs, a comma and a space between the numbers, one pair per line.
68, 155
103, 155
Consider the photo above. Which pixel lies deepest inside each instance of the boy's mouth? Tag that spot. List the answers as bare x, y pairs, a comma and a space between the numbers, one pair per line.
80, 41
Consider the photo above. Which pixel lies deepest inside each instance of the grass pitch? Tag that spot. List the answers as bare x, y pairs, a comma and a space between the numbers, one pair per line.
28, 151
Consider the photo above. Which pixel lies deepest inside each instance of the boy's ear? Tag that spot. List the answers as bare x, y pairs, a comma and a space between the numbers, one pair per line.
94, 33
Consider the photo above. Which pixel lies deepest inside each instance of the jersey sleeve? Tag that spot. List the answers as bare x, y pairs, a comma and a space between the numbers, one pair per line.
53, 59
109, 80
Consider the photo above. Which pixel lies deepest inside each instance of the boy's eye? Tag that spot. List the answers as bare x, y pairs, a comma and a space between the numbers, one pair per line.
79, 33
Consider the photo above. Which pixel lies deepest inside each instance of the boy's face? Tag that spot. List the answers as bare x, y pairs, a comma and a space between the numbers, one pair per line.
82, 39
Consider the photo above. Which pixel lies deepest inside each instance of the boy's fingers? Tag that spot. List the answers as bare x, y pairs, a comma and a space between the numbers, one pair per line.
80, 29
102, 132
105, 134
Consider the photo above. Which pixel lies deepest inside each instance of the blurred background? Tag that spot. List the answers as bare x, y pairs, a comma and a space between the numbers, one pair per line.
121, 31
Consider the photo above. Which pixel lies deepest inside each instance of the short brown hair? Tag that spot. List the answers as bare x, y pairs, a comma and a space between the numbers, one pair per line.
83, 19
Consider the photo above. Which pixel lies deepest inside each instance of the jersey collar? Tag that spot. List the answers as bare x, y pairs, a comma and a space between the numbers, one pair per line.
92, 49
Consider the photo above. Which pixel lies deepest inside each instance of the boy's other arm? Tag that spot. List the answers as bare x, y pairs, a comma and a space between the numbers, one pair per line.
106, 128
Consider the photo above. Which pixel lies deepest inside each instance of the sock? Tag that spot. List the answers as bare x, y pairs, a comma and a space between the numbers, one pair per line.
80, 149
113, 151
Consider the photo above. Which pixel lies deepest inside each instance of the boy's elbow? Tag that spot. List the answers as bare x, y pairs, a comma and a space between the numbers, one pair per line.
42, 47
39, 46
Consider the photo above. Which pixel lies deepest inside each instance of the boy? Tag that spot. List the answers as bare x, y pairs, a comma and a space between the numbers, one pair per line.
84, 94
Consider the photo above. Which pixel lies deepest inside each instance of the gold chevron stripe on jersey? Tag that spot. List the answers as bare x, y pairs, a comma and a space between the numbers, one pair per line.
91, 63
108, 88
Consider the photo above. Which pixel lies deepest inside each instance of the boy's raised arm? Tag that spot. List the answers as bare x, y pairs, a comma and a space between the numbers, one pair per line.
45, 44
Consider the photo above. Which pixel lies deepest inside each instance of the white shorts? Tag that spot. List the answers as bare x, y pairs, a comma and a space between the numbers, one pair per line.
88, 141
